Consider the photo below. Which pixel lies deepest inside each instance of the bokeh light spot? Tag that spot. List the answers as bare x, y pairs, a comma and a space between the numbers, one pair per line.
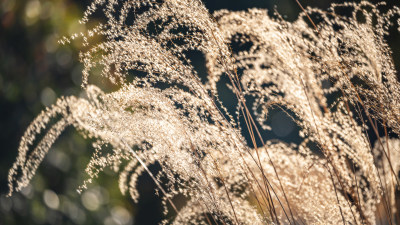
51, 199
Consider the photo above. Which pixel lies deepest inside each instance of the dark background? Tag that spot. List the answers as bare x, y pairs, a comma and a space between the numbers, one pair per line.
34, 71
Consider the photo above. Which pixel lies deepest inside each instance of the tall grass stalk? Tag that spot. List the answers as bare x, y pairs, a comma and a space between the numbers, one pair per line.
330, 71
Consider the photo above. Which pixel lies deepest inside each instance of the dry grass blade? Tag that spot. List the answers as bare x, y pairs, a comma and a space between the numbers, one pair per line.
327, 75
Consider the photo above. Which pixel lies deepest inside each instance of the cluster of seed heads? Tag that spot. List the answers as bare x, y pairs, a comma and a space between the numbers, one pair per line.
333, 76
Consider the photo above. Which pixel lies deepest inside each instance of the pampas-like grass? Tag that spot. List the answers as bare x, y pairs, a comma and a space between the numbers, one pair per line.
163, 112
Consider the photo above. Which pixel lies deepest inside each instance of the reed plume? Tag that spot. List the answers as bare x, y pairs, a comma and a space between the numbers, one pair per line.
331, 72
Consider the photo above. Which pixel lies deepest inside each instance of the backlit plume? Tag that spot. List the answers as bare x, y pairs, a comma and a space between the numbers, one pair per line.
331, 72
